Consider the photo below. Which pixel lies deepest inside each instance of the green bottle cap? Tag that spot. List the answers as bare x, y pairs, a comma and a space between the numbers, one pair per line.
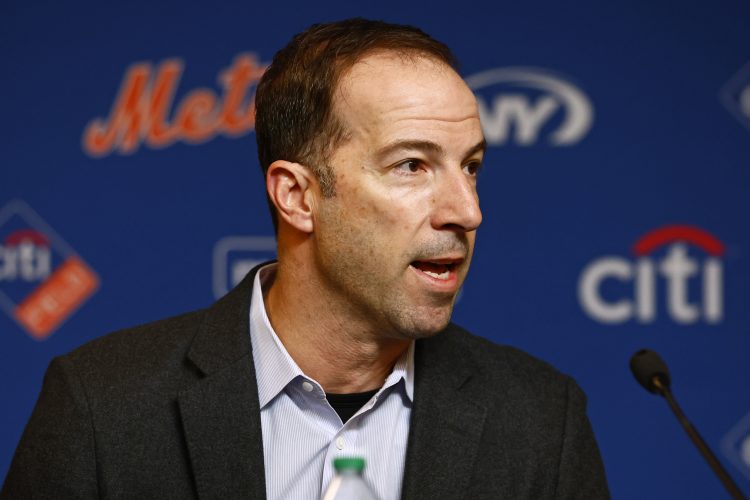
349, 463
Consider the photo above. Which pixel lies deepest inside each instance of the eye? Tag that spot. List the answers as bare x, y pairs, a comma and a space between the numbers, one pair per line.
473, 168
408, 167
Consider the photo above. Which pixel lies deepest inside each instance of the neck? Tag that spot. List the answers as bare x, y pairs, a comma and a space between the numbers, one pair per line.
324, 337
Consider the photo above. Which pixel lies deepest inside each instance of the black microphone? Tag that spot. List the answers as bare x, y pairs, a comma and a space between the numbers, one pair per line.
652, 373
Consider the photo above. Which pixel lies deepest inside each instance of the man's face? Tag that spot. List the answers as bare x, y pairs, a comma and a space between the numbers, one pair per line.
395, 242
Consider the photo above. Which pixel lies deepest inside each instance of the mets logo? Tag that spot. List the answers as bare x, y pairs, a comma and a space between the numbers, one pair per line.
142, 111
615, 289
42, 280
524, 106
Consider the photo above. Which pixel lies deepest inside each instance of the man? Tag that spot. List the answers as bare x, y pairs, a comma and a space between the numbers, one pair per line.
370, 143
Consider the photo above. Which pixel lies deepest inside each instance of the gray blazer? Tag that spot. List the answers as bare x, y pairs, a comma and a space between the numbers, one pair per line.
170, 410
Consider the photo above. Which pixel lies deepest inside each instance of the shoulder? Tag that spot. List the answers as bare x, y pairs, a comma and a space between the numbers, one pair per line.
526, 396
167, 355
135, 354
500, 376
536, 427
493, 361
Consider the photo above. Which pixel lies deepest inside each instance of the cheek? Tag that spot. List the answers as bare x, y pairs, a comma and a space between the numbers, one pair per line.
394, 214
410, 212
370, 209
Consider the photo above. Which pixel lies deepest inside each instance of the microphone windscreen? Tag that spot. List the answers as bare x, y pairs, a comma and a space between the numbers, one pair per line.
646, 365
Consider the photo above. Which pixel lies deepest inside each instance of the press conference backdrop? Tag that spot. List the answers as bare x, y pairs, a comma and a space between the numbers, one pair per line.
615, 193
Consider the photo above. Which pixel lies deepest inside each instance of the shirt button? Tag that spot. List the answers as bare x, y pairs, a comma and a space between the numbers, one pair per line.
307, 386
340, 443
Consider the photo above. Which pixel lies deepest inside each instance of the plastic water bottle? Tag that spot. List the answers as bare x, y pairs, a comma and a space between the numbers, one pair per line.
348, 483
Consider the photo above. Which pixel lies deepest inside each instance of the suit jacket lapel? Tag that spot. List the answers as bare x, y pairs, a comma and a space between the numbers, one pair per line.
446, 425
220, 413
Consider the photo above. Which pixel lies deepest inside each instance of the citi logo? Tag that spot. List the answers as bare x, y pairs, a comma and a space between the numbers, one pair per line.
524, 106
42, 279
614, 289
25, 255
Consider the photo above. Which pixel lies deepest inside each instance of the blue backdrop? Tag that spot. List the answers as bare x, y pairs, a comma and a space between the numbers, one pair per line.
615, 194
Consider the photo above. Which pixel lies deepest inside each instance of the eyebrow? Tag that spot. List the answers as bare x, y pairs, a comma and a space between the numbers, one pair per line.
481, 146
428, 146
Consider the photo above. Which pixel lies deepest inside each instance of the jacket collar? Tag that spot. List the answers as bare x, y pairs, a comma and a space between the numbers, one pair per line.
447, 419
223, 337
220, 414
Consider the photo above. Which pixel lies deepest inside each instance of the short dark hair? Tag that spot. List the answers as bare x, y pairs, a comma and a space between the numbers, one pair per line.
294, 120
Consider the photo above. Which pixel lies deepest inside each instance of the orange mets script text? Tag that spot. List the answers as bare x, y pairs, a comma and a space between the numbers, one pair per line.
141, 111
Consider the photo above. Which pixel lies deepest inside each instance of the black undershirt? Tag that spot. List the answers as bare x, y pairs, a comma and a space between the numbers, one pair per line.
346, 405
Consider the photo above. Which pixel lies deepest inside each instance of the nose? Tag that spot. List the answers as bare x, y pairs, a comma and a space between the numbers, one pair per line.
456, 203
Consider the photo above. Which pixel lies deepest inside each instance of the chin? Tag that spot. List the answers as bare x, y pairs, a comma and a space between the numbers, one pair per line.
424, 324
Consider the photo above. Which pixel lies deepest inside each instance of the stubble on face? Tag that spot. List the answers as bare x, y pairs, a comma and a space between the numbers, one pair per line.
373, 229
350, 253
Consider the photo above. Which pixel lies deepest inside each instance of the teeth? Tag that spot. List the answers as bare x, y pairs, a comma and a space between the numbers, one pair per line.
442, 276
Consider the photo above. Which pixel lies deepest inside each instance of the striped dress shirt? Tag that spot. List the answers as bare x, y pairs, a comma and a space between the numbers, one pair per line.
302, 433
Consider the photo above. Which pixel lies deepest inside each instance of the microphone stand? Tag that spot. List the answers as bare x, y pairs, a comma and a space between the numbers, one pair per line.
724, 477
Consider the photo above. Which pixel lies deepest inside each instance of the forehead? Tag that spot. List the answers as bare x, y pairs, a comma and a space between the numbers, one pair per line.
388, 93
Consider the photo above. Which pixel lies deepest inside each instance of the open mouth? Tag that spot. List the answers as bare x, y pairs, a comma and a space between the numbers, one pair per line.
436, 270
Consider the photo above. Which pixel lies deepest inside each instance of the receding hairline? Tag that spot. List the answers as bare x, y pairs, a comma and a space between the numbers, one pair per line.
405, 55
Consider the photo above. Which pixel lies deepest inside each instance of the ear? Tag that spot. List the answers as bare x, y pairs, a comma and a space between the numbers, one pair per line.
289, 186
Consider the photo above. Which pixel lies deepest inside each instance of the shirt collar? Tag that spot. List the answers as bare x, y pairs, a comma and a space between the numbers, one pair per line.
275, 368
403, 370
